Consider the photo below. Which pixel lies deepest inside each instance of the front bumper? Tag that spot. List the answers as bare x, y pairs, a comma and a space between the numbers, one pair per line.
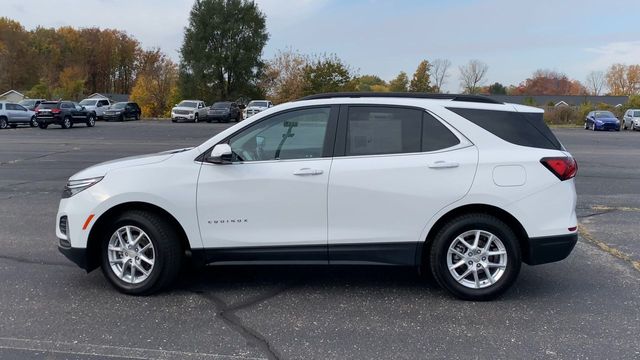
543, 250
607, 126
175, 116
112, 117
77, 255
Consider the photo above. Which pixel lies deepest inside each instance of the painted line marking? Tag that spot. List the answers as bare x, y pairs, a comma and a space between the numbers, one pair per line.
582, 230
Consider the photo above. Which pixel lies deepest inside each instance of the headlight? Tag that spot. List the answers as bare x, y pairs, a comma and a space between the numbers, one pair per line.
598, 122
75, 186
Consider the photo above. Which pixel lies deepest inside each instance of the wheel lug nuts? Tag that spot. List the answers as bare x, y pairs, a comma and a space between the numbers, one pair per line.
478, 265
470, 262
484, 258
470, 254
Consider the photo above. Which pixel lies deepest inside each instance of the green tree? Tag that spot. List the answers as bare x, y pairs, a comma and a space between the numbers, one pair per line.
400, 83
369, 83
421, 81
497, 89
326, 74
222, 48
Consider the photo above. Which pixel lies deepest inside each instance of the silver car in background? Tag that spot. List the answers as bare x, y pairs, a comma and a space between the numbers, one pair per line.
12, 114
255, 107
631, 119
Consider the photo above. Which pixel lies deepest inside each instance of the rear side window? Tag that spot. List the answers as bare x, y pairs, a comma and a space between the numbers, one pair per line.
436, 136
525, 129
383, 130
0, 106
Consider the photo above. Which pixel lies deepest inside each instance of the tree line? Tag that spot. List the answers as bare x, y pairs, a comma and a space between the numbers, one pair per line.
221, 58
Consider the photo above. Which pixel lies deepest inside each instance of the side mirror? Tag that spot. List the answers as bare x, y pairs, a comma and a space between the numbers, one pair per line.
221, 154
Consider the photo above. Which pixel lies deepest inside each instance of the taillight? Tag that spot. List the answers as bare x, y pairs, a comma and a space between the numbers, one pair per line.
55, 111
564, 168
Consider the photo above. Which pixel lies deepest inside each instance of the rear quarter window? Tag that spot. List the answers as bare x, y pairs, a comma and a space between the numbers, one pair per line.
520, 128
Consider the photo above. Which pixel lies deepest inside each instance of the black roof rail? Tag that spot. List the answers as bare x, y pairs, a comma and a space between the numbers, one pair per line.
410, 95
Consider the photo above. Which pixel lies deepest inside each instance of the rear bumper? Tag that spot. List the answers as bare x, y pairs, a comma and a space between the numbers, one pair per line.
77, 255
49, 120
543, 250
218, 117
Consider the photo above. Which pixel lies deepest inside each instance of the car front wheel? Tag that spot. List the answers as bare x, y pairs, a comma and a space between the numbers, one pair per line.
91, 121
33, 122
475, 257
3, 123
141, 253
66, 122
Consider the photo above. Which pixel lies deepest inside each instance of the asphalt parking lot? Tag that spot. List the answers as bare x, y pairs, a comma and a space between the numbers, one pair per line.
586, 307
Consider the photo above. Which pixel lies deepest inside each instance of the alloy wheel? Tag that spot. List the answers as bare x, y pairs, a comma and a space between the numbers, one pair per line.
131, 254
477, 259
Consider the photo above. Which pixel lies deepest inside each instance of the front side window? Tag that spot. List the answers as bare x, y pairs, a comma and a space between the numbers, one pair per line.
298, 134
373, 130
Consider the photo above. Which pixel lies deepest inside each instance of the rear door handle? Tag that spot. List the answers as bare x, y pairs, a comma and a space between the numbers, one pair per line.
308, 171
443, 165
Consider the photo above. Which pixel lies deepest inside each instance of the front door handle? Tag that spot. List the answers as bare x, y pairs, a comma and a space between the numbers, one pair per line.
443, 165
308, 171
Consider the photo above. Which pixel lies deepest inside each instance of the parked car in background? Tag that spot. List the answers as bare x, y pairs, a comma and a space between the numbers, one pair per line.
31, 104
631, 119
11, 115
601, 120
224, 111
99, 106
415, 180
256, 106
123, 111
64, 113
189, 110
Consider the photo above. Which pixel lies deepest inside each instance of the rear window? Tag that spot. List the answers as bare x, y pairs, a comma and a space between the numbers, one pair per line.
221, 105
46, 105
525, 129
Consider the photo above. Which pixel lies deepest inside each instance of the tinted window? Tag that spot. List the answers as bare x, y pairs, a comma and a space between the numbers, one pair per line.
0, 106
190, 104
103, 102
48, 105
10, 107
526, 129
221, 105
382, 130
604, 114
120, 105
88, 102
436, 136
298, 134
20, 107
635, 113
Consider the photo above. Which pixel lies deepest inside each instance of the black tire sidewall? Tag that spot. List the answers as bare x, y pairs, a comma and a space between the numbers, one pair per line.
33, 122
159, 233
3, 123
444, 238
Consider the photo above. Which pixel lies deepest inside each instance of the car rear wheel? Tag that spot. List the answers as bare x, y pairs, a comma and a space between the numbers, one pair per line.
3, 123
475, 257
195, 118
141, 253
91, 121
137, 117
33, 122
66, 122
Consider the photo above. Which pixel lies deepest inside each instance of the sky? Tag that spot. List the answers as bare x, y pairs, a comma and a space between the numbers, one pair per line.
378, 37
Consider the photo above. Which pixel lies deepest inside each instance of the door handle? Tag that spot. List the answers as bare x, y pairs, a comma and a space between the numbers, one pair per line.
443, 165
308, 171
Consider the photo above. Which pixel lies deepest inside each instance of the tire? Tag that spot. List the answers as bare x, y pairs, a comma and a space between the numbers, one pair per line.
174, 120
43, 126
238, 118
91, 120
195, 118
504, 240
67, 123
593, 127
121, 118
3, 123
586, 126
137, 117
624, 125
33, 122
165, 253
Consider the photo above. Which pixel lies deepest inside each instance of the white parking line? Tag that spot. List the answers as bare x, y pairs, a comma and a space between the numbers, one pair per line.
107, 351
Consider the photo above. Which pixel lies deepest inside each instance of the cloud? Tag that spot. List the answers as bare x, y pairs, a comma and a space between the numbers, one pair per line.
625, 52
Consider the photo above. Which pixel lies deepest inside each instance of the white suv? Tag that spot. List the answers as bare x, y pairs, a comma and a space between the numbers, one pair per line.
461, 186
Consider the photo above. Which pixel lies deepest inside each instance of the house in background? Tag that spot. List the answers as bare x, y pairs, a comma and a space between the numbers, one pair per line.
114, 98
12, 96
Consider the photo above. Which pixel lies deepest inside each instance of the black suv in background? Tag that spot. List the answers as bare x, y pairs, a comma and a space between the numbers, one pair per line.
63, 113
224, 111
122, 111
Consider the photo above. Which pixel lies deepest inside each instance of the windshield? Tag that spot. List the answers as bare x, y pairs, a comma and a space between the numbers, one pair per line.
88, 102
120, 105
190, 104
221, 105
635, 113
27, 103
258, 104
604, 114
